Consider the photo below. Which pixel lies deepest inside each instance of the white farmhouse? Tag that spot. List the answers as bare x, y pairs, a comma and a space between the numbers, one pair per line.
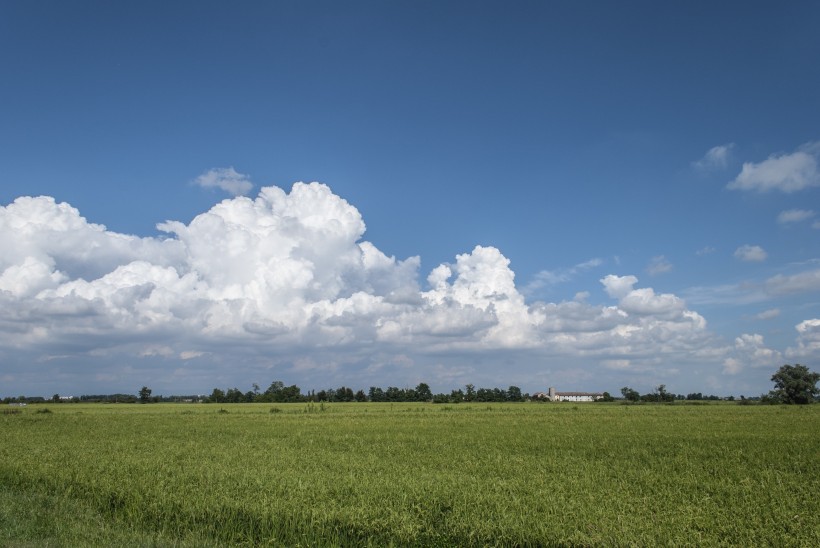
553, 395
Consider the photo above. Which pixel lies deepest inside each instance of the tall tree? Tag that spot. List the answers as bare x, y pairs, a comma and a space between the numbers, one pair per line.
145, 394
423, 392
795, 384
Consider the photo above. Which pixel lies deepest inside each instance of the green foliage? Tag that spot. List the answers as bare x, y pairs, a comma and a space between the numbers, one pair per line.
629, 394
659, 395
145, 394
423, 393
514, 394
277, 392
795, 384
217, 396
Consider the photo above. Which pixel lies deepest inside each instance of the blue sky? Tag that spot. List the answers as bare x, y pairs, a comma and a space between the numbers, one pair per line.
577, 143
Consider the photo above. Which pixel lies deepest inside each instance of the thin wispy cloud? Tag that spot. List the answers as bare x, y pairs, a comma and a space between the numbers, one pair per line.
755, 291
794, 216
716, 158
658, 265
225, 178
751, 253
548, 278
802, 282
707, 250
767, 314
784, 172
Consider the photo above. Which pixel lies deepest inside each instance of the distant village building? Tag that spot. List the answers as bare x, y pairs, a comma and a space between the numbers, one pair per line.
553, 395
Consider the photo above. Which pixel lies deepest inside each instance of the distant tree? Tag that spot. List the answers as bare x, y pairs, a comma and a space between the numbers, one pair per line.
469, 392
145, 394
795, 384
768, 399
662, 394
274, 391
514, 394
607, 397
630, 394
483, 394
291, 394
393, 393
217, 396
55, 398
234, 395
361, 396
344, 394
423, 393
375, 394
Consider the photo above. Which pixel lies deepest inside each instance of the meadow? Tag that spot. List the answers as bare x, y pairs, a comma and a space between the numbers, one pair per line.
370, 474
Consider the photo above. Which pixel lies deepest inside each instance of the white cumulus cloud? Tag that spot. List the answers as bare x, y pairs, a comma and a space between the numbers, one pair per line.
287, 278
784, 172
808, 342
750, 351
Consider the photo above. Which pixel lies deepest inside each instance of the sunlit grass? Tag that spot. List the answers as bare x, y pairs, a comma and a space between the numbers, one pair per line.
421, 474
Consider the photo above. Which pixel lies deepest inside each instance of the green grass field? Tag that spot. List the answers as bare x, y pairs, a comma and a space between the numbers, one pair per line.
410, 474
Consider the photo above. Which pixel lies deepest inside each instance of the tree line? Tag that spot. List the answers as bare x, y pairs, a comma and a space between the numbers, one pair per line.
794, 384
277, 392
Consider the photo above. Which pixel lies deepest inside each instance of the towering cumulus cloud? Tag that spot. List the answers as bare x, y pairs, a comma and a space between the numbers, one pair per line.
287, 276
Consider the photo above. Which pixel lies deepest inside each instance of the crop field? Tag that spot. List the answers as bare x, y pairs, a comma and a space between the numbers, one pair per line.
410, 474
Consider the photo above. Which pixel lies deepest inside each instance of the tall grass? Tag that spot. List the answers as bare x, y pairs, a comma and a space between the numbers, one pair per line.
420, 474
